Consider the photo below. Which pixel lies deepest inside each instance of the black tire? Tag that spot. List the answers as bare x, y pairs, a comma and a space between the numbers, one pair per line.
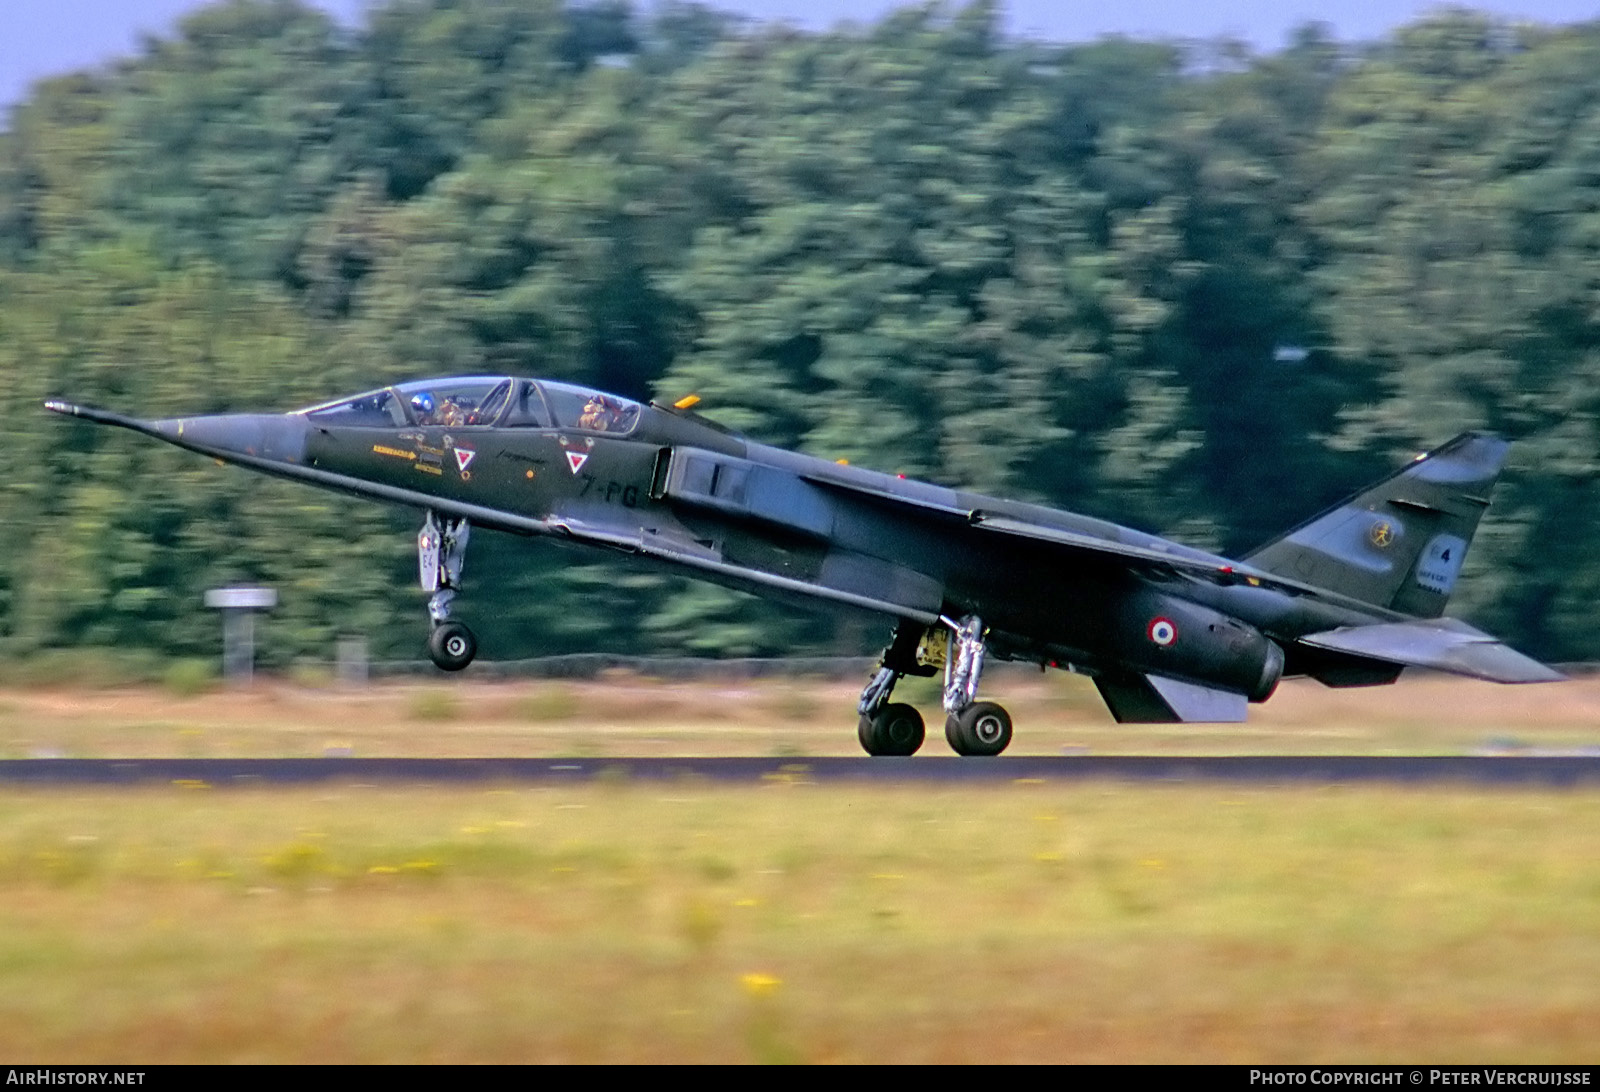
981, 730
452, 646
896, 732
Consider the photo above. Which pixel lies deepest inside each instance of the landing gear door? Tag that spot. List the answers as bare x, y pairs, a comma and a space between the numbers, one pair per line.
429, 541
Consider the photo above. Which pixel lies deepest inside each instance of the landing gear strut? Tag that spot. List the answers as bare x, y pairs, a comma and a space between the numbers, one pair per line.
972, 727
441, 552
896, 729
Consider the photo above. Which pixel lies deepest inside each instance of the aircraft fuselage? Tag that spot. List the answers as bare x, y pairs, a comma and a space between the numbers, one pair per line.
1169, 632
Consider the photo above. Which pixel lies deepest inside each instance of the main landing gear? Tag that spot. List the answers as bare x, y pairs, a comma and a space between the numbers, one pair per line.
441, 552
971, 727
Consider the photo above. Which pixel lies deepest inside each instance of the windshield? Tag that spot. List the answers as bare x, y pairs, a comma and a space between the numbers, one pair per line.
375, 409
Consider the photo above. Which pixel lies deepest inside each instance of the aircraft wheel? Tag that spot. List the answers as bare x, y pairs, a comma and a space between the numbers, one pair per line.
981, 729
896, 731
452, 646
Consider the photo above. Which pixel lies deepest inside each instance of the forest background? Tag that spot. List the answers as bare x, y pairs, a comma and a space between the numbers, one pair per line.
1187, 286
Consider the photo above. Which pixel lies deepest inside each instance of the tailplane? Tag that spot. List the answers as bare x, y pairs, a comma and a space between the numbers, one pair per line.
1446, 645
1400, 543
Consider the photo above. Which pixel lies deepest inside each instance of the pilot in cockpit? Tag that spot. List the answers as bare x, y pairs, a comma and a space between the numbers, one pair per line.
422, 405
598, 414
452, 413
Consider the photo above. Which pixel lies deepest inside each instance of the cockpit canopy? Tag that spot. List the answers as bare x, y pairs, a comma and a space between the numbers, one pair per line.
482, 402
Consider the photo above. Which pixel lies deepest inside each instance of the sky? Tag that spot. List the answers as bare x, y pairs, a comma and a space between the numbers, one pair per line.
48, 37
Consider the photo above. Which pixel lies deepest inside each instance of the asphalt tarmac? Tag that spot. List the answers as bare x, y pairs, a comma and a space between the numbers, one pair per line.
1510, 770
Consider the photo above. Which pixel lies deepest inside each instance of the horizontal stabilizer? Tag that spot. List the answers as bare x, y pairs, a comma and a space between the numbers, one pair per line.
1155, 699
1447, 644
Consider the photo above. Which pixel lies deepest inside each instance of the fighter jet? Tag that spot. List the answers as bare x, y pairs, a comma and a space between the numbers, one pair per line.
1168, 633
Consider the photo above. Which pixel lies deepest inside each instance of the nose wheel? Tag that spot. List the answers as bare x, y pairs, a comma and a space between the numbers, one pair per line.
441, 555
452, 646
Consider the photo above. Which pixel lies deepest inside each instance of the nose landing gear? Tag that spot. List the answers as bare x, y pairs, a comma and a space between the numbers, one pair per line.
441, 553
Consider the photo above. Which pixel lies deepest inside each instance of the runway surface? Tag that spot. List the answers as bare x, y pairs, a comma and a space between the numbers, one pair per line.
1545, 771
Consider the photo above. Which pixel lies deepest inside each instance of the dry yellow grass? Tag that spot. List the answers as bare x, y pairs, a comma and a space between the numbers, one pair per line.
625, 715
800, 922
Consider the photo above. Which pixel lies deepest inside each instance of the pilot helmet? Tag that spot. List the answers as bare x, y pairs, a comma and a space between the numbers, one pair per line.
422, 402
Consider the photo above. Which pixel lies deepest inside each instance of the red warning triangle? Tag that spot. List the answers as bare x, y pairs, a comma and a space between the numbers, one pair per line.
464, 457
576, 459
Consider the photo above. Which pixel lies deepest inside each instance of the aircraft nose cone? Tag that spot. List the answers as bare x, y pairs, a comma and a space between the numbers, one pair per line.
269, 436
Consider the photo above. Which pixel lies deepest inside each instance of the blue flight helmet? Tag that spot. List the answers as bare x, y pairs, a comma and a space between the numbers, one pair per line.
422, 402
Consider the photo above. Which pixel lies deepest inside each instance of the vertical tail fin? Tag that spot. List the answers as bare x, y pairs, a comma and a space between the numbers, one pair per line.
1400, 543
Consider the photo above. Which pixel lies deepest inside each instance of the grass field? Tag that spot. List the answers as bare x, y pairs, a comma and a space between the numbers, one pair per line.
791, 921
626, 715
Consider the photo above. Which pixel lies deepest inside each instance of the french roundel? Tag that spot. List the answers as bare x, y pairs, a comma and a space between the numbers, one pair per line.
1162, 631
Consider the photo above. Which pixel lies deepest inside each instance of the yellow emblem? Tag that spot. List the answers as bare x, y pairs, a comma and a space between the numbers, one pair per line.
1382, 534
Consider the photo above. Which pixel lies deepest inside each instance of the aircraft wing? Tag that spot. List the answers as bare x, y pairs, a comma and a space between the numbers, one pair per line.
1216, 570
1443, 644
